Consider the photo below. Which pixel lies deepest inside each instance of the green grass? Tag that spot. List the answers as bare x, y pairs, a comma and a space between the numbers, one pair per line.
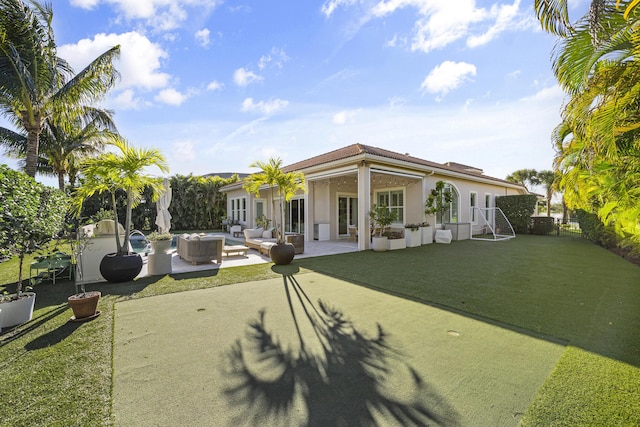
553, 288
56, 372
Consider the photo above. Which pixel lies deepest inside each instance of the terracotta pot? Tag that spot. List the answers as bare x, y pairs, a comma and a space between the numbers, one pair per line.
282, 253
84, 305
118, 268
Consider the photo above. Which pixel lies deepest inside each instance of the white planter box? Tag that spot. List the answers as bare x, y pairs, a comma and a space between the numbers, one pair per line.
413, 238
393, 244
427, 235
17, 312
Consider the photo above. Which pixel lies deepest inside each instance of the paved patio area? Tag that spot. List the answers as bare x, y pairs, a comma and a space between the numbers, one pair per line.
311, 249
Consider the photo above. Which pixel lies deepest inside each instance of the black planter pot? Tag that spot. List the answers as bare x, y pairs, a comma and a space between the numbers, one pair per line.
282, 253
118, 268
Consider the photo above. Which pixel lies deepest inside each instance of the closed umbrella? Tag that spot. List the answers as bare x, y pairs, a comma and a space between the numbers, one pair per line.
163, 217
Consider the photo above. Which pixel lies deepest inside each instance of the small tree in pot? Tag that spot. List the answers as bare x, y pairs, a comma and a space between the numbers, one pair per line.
287, 184
381, 218
439, 201
115, 171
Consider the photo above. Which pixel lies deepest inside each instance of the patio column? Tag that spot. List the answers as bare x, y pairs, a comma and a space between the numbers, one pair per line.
309, 208
364, 205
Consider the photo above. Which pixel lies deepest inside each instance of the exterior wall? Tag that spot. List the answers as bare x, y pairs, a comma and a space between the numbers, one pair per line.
321, 200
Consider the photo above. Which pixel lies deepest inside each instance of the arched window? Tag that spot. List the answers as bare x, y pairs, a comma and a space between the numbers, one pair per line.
451, 214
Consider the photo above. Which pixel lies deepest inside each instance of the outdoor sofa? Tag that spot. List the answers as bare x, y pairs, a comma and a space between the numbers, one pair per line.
197, 248
256, 237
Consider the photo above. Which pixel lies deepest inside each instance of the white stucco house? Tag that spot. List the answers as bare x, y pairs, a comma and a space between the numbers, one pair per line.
344, 184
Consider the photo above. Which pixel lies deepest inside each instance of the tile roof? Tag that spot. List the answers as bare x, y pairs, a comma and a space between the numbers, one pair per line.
355, 150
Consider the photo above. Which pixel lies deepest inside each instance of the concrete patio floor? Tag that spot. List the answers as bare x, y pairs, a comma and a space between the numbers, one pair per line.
311, 249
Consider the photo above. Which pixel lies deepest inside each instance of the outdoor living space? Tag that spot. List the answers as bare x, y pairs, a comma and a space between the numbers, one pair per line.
252, 256
539, 330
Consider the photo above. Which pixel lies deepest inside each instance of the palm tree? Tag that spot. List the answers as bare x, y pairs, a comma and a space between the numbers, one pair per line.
62, 145
272, 176
122, 171
547, 179
523, 177
36, 84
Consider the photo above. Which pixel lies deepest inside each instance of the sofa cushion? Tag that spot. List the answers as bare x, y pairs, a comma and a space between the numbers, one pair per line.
194, 236
267, 234
253, 232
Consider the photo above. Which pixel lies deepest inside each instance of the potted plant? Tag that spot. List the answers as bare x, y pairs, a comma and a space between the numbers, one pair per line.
31, 216
426, 231
438, 201
287, 185
381, 217
412, 235
123, 170
263, 222
160, 242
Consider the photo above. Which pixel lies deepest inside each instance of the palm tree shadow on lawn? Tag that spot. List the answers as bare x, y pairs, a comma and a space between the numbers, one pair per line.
338, 374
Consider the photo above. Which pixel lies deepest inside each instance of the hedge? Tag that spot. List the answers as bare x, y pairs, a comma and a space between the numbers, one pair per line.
518, 210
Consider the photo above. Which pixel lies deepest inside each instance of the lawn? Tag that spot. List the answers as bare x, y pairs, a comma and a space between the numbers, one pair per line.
563, 290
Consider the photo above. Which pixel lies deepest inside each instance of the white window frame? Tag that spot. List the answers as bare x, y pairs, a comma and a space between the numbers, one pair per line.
239, 209
255, 209
487, 200
473, 203
451, 205
388, 191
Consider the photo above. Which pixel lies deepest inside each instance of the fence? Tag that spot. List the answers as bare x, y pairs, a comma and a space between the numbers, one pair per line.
543, 225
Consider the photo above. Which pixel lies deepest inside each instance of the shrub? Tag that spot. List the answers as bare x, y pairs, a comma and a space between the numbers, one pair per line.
518, 210
542, 225
31, 214
593, 229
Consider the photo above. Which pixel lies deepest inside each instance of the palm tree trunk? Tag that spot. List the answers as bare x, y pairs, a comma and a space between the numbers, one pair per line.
33, 139
61, 180
127, 222
115, 218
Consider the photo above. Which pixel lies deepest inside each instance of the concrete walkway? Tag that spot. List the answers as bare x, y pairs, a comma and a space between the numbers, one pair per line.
308, 349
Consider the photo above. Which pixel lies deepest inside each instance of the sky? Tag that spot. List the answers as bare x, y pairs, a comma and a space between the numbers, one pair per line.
219, 84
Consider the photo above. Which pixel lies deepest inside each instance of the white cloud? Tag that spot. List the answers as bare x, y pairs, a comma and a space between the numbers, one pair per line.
268, 107
126, 100
202, 37
139, 63
548, 93
243, 77
171, 97
447, 76
183, 151
439, 23
277, 57
330, 6
84, 4
214, 85
162, 15
344, 117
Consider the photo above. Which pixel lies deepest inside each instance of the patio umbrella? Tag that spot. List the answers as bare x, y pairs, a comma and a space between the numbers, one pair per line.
163, 218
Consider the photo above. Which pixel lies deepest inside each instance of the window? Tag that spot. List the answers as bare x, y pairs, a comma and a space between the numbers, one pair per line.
239, 209
259, 209
487, 200
473, 203
394, 200
451, 214
294, 216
